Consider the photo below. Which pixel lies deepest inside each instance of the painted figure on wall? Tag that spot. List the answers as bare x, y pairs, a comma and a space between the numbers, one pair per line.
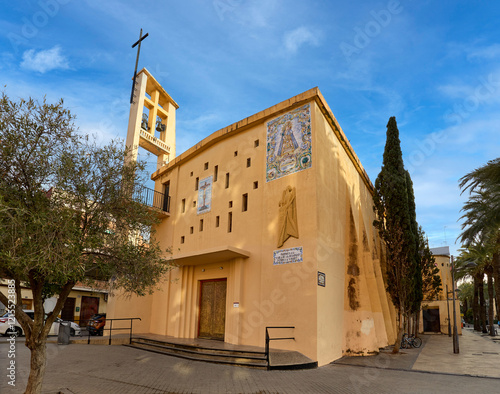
289, 143
288, 226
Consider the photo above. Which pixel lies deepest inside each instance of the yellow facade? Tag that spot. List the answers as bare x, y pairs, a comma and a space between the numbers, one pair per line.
326, 280
437, 313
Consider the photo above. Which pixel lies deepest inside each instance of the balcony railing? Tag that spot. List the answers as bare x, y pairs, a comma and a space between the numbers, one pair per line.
152, 198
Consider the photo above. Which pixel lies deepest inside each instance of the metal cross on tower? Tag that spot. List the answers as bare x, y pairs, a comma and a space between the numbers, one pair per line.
141, 37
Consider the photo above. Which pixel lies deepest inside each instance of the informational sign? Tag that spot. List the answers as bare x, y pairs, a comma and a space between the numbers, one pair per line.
204, 195
236, 304
288, 256
321, 279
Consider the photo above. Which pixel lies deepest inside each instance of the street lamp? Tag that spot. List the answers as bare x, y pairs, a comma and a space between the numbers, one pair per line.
448, 309
456, 348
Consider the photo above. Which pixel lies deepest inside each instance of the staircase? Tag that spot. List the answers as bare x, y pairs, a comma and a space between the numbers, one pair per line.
252, 359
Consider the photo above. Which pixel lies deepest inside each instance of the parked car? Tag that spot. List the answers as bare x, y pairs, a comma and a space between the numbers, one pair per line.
18, 330
96, 324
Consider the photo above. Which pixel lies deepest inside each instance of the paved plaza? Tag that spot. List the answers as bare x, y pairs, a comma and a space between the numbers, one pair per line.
119, 369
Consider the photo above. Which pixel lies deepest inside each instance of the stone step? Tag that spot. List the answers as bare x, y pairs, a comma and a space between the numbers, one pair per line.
216, 356
197, 349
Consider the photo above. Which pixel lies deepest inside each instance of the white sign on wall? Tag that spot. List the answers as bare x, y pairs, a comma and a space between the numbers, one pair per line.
287, 256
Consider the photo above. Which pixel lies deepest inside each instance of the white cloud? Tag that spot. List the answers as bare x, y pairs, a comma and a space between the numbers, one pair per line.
43, 61
294, 39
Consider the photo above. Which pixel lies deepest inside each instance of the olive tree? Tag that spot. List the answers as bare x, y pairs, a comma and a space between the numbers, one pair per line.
67, 216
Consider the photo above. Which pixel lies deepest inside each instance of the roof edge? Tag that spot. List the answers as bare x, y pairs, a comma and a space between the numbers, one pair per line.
282, 107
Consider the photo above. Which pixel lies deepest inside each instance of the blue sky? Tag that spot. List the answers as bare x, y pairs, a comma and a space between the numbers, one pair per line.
432, 64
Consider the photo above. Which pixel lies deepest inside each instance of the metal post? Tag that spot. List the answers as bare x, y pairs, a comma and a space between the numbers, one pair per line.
456, 348
448, 307
110, 329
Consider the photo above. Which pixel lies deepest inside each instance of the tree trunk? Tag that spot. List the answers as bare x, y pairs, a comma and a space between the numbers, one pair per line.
417, 323
38, 362
482, 304
496, 277
490, 303
475, 304
397, 345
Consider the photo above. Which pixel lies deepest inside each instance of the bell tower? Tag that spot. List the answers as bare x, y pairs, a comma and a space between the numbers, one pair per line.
151, 123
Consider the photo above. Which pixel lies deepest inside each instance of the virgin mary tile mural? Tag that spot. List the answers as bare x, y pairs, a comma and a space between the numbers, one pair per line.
289, 143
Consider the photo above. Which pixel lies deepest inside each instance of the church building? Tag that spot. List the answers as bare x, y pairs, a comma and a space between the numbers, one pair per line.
269, 221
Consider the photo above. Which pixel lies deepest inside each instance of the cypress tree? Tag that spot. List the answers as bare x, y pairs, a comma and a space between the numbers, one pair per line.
396, 222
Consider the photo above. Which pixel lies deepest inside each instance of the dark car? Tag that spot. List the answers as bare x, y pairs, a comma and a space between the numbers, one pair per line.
96, 324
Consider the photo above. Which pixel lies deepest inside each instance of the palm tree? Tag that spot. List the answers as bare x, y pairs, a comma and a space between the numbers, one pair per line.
475, 261
482, 217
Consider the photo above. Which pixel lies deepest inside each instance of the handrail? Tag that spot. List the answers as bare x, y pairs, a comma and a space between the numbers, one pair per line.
269, 339
152, 198
111, 328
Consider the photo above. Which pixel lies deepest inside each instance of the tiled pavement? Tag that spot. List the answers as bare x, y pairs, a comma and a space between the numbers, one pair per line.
118, 369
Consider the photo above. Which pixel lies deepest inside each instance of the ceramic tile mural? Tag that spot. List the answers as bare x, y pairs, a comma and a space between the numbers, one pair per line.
289, 143
204, 195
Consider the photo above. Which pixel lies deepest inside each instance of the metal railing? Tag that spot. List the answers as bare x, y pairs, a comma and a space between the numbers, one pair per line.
131, 319
269, 339
152, 198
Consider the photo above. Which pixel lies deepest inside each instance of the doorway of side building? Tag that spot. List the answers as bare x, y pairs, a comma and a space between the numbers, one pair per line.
68, 310
431, 320
212, 319
90, 306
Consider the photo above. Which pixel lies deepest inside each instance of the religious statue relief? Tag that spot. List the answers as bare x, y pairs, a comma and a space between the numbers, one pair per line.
288, 226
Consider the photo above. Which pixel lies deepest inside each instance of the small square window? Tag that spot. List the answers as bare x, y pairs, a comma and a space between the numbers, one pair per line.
249, 162
182, 239
191, 230
256, 185
206, 165
256, 143
230, 204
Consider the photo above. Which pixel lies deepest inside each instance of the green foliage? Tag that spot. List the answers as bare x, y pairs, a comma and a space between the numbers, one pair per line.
66, 212
431, 281
482, 210
396, 221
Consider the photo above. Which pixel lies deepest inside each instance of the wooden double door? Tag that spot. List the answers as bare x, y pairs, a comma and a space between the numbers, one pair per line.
212, 321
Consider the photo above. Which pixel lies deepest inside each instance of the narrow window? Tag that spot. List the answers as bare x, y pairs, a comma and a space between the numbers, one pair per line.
256, 143
191, 230
183, 205
244, 202
182, 239
201, 224
191, 173
256, 185
197, 183
230, 204
216, 173
229, 222
194, 203
235, 153
249, 162
217, 222
227, 180
206, 165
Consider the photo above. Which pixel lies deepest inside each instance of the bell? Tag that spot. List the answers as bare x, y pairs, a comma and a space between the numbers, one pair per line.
144, 123
159, 126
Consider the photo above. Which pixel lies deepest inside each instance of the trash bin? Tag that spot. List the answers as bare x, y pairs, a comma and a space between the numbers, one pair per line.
64, 333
